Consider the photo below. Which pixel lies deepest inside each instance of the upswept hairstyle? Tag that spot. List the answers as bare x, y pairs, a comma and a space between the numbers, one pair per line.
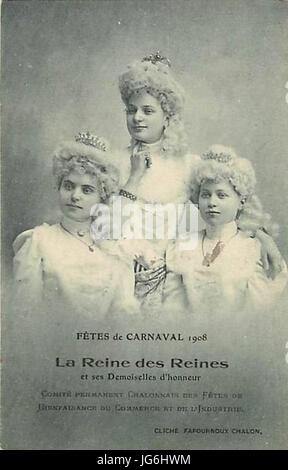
221, 163
86, 159
156, 78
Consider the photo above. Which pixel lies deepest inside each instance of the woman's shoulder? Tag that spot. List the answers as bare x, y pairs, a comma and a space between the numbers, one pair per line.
34, 235
246, 249
251, 243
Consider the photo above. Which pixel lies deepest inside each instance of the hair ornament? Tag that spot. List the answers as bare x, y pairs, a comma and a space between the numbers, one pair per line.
157, 57
93, 140
85, 164
222, 163
94, 159
220, 157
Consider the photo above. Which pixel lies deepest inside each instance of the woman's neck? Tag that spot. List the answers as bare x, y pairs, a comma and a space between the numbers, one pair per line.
221, 232
152, 147
75, 226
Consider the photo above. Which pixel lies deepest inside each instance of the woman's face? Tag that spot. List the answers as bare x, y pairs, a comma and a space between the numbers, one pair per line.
145, 117
77, 194
218, 203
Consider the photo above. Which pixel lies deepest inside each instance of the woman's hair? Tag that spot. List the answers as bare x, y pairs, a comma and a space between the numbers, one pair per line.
153, 74
87, 155
221, 163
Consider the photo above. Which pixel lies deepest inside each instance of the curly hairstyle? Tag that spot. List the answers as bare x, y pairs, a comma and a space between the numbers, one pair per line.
85, 159
157, 79
221, 163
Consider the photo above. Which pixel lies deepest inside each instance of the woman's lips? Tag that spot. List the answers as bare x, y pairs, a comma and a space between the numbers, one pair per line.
74, 206
139, 128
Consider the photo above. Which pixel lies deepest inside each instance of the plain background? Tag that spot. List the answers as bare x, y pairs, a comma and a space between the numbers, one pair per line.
61, 61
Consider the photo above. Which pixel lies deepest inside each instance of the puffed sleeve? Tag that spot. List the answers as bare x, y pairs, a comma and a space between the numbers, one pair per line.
261, 290
27, 269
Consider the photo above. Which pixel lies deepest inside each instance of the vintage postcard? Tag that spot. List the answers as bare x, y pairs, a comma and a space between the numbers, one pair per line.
144, 225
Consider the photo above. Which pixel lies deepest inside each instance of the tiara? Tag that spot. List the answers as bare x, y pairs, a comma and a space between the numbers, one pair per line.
220, 157
90, 139
157, 57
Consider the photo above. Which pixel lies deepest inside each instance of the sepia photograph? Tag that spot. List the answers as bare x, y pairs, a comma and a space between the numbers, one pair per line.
144, 225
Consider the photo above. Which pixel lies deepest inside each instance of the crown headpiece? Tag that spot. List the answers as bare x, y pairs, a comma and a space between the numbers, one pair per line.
90, 139
156, 57
220, 157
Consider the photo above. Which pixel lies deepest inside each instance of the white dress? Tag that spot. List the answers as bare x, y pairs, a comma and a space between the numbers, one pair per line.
167, 181
234, 280
168, 178
51, 265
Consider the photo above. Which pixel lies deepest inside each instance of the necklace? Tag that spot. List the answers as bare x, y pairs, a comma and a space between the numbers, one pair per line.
210, 257
145, 149
80, 234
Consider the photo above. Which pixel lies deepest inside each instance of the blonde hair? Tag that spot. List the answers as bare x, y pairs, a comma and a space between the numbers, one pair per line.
85, 159
157, 79
222, 163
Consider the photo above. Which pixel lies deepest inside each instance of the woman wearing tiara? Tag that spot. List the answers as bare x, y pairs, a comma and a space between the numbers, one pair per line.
160, 170
225, 269
61, 263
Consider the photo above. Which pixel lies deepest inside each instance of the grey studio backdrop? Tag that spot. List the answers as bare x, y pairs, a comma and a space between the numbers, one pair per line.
61, 61
60, 66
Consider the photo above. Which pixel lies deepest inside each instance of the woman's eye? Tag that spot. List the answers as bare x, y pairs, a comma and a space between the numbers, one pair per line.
130, 111
148, 111
222, 195
87, 190
204, 195
67, 185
